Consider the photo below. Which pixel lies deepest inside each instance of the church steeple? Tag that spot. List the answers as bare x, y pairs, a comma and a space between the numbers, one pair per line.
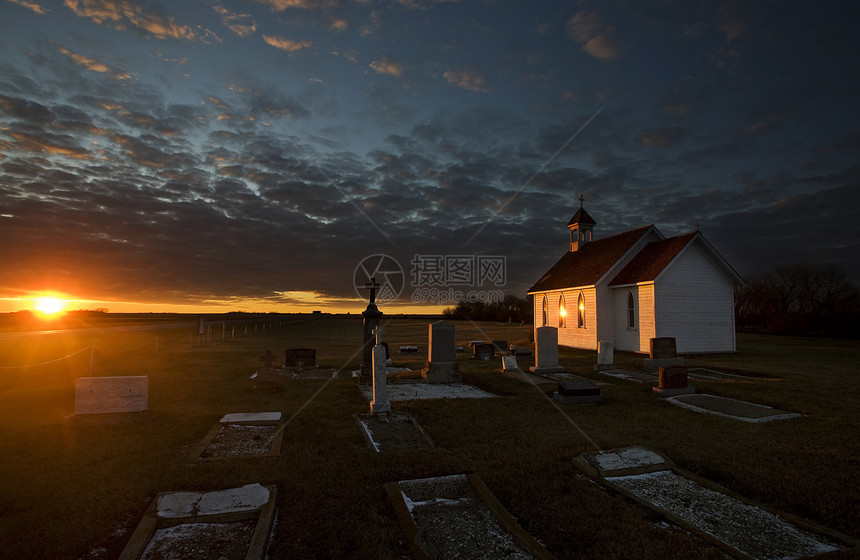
580, 227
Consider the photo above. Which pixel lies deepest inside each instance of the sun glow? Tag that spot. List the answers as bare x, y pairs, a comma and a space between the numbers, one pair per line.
49, 306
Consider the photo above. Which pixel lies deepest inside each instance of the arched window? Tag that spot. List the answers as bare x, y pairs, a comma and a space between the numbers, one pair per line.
562, 313
631, 310
543, 313
580, 312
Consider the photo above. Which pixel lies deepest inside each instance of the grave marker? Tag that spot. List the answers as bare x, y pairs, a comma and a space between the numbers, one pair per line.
605, 355
306, 357
546, 351
483, 351
101, 395
577, 392
441, 359
663, 353
370, 320
673, 382
509, 363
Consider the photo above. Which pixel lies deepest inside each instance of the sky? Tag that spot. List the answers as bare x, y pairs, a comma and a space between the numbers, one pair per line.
271, 155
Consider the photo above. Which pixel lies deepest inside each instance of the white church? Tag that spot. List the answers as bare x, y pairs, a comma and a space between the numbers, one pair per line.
637, 285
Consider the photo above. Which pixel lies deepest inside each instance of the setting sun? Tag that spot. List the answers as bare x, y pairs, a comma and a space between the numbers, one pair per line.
49, 306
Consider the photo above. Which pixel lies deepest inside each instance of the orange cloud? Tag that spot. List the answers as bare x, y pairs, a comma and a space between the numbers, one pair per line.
596, 38
122, 14
30, 6
285, 44
387, 66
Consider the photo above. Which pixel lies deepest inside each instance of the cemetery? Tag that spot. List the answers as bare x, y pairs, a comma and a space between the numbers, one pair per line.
564, 453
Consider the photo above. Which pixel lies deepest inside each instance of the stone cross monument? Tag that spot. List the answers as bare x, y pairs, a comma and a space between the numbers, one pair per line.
370, 320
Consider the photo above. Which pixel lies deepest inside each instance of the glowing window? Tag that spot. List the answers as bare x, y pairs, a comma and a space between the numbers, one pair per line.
543, 321
631, 311
562, 313
580, 312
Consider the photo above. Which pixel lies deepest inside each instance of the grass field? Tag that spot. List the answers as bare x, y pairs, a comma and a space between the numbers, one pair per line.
77, 491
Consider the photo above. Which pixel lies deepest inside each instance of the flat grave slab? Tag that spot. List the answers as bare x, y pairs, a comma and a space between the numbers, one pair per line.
731, 408
457, 516
233, 523
107, 395
731, 522
577, 392
396, 431
241, 436
622, 461
422, 391
631, 375
573, 377
530, 378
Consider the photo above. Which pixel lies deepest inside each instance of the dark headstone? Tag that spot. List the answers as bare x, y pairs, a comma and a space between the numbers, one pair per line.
577, 389
577, 392
663, 347
483, 351
673, 377
409, 349
521, 352
501, 345
307, 357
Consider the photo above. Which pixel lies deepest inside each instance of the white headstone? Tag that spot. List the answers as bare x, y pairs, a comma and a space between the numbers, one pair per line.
546, 350
380, 403
101, 395
509, 363
605, 352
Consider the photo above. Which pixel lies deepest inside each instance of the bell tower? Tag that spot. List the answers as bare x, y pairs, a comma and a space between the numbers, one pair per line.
580, 227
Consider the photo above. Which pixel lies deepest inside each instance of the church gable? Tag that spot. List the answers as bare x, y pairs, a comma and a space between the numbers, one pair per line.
590, 263
652, 260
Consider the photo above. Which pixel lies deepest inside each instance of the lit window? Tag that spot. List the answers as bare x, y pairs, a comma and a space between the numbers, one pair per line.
544, 321
562, 313
580, 312
631, 311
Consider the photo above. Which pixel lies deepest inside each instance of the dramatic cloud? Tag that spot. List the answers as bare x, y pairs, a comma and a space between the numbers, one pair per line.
142, 160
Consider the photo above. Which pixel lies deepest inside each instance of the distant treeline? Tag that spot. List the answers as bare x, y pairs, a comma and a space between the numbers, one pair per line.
510, 309
801, 299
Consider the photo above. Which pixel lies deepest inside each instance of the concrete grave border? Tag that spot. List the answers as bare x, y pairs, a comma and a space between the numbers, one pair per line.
581, 463
242, 419
152, 521
486, 496
368, 438
679, 400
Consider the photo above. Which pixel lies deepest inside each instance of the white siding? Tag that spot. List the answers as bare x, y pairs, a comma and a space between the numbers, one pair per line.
637, 339
572, 335
694, 304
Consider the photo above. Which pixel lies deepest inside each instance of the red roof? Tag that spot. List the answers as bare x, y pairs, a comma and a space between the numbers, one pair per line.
652, 259
581, 217
587, 265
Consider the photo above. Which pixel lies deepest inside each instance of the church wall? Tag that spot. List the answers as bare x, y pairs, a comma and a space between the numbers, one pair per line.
572, 335
637, 339
695, 304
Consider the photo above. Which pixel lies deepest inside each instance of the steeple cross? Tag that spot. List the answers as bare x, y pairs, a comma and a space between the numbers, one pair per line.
581, 200
372, 286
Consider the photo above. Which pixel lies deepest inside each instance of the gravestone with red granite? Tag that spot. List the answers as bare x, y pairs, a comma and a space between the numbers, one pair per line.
673, 381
